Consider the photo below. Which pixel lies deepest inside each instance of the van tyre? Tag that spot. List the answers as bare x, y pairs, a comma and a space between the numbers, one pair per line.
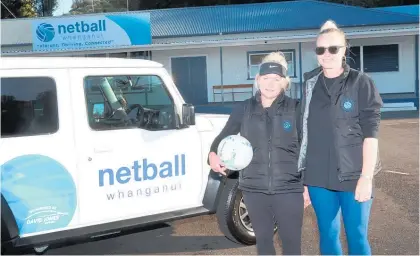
228, 215
6, 248
229, 212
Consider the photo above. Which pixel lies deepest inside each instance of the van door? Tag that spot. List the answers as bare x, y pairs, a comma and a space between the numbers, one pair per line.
37, 151
132, 163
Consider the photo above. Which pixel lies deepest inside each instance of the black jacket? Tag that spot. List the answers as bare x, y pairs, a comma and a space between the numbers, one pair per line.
273, 135
354, 116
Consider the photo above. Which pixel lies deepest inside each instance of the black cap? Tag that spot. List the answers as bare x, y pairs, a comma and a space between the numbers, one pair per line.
273, 68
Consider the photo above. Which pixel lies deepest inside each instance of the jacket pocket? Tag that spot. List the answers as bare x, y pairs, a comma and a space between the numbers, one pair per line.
286, 172
285, 149
254, 176
351, 158
350, 131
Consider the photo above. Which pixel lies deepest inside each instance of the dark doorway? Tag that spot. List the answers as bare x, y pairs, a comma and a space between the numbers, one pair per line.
190, 76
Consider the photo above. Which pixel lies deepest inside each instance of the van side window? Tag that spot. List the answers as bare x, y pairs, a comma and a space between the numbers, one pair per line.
128, 101
28, 106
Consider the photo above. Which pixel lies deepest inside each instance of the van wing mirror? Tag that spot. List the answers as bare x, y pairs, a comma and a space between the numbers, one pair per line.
188, 114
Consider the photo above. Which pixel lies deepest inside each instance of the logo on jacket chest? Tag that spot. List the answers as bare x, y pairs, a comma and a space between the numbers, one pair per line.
287, 125
347, 104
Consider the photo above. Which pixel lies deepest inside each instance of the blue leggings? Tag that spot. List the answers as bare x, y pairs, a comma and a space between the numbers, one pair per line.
327, 204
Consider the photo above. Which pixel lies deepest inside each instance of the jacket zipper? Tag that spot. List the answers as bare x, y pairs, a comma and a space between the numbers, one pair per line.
269, 130
269, 166
334, 123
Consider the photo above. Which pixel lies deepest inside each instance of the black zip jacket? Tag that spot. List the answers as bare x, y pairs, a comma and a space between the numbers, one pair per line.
273, 135
354, 115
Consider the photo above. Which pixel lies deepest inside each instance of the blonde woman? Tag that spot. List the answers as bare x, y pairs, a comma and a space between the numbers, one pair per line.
341, 116
271, 184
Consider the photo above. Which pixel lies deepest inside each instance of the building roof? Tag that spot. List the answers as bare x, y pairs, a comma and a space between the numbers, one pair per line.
259, 17
404, 9
266, 17
294, 19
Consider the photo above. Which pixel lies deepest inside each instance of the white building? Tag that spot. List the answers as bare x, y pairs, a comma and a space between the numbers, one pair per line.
210, 50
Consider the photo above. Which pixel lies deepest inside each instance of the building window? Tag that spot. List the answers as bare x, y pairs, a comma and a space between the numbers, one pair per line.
255, 59
28, 106
141, 55
353, 57
380, 58
118, 55
374, 58
97, 55
129, 101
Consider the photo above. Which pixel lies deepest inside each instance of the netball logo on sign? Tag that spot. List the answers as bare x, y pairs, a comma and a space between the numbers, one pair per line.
45, 32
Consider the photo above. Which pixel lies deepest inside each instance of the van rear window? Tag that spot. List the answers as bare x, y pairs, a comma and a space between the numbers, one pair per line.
28, 106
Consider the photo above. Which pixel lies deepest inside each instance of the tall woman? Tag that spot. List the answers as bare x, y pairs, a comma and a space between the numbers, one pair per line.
339, 128
271, 185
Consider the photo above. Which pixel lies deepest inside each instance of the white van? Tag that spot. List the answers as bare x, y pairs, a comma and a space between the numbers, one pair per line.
94, 146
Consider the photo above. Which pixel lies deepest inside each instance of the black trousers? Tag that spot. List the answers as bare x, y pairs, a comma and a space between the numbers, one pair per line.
285, 210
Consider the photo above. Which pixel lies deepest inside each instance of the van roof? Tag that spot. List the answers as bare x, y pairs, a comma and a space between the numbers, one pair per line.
74, 62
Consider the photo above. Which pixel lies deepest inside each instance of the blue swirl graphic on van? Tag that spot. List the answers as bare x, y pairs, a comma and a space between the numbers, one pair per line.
40, 192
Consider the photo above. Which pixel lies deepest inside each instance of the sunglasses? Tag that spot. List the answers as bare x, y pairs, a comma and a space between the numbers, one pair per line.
331, 49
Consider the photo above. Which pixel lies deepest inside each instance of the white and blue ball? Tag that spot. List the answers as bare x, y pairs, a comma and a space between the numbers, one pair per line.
235, 152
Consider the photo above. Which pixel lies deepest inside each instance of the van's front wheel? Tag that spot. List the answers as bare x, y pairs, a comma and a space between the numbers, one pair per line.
232, 215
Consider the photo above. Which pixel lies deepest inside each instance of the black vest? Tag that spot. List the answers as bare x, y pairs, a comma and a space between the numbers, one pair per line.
348, 132
348, 135
274, 140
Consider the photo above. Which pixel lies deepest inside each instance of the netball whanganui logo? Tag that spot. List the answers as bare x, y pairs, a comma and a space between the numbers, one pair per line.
45, 32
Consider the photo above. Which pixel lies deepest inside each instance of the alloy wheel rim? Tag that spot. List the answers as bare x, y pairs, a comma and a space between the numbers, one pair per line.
244, 216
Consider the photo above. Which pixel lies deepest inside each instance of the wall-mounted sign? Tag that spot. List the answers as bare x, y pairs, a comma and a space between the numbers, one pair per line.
91, 32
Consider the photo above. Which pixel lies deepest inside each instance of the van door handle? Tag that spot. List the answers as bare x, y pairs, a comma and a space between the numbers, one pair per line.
102, 149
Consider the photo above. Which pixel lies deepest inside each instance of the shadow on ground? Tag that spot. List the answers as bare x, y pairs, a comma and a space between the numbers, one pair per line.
155, 240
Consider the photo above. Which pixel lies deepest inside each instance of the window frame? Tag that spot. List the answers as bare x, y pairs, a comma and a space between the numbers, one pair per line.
174, 120
348, 56
57, 108
250, 53
362, 56
380, 70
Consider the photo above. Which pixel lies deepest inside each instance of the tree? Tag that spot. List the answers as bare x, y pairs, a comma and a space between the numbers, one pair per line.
10, 9
27, 8
98, 6
45, 7
80, 7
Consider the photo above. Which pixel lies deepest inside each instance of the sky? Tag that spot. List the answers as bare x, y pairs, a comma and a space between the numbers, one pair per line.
63, 7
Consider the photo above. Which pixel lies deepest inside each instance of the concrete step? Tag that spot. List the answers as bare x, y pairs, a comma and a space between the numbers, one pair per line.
400, 106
